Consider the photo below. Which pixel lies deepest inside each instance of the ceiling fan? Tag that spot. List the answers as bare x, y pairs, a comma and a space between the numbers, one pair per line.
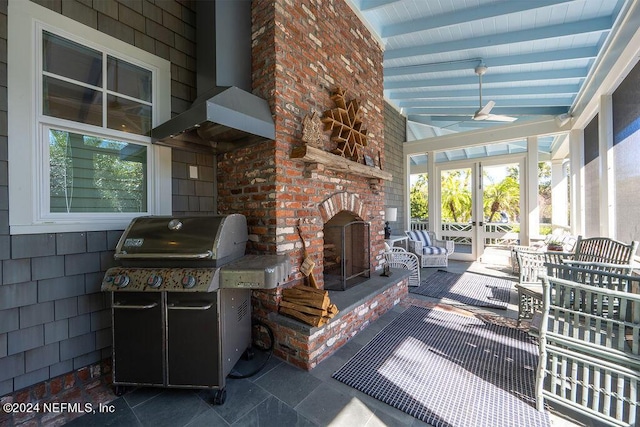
484, 112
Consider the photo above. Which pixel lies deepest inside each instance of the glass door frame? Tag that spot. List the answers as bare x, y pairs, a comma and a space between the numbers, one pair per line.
458, 231
476, 232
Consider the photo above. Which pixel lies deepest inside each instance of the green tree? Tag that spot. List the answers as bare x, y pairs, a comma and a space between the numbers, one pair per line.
419, 198
502, 196
456, 196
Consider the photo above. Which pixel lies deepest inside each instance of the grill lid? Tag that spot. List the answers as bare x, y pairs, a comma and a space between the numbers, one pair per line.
217, 239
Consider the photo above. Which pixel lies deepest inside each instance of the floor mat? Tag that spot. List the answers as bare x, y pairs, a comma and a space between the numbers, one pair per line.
466, 288
450, 370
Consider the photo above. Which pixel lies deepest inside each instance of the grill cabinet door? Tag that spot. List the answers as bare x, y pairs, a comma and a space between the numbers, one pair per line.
137, 338
193, 339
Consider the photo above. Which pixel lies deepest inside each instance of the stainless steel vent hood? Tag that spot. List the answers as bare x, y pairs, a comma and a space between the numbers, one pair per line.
225, 114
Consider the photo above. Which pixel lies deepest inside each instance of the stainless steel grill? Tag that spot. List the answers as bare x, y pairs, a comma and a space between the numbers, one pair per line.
181, 300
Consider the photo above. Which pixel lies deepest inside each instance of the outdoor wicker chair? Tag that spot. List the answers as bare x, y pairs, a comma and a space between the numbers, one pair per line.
431, 251
398, 257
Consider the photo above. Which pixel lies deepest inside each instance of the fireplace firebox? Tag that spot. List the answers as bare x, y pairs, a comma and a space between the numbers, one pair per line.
346, 252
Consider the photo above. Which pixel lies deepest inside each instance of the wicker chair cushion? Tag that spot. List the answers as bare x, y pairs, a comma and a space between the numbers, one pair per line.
433, 250
420, 236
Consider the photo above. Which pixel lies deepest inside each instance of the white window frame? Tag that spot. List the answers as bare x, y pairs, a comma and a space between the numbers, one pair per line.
27, 144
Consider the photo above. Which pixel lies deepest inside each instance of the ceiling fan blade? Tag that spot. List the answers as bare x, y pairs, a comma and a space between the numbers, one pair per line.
500, 118
483, 112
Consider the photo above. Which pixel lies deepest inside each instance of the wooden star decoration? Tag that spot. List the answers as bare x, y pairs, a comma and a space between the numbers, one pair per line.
345, 126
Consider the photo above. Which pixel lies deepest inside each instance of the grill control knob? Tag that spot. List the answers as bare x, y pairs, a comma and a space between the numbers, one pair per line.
188, 282
154, 281
121, 280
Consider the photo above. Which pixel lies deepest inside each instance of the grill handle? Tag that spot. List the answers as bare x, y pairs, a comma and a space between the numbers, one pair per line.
135, 307
203, 255
190, 307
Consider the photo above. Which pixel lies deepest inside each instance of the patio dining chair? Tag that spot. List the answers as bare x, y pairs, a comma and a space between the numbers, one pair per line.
532, 265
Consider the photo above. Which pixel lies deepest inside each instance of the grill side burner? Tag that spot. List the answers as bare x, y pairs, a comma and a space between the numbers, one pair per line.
181, 301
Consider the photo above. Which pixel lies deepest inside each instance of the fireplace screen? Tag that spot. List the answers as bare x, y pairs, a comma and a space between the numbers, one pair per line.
346, 254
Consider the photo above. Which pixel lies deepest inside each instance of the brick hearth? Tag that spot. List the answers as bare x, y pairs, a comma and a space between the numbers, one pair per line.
305, 346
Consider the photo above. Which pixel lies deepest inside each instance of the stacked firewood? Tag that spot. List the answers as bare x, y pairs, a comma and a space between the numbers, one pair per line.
309, 305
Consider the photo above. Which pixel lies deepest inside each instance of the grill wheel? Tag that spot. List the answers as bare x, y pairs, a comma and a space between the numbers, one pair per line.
219, 396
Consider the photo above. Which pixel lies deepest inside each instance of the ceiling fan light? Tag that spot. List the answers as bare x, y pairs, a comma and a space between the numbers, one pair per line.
480, 69
563, 119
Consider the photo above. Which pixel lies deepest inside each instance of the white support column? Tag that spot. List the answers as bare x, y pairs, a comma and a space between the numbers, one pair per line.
407, 192
576, 166
434, 193
531, 213
559, 194
605, 167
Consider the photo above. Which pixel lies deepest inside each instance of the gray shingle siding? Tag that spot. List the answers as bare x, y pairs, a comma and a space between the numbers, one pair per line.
395, 135
11, 366
56, 331
25, 339
96, 241
17, 295
42, 356
16, 271
65, 308
53, 317
76, 346
60, 288
82, 263
9, 320
36, 314
31, 378
33, 245
71, 243
3, 345
79, 325
47, 267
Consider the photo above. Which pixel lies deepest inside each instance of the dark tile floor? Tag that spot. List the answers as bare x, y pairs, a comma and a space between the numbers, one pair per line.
280, 394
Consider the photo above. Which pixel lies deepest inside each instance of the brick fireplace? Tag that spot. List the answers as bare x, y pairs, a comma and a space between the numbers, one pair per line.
301, 52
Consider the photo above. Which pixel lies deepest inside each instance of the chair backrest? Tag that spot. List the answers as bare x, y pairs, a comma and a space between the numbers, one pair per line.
420, 236
595, 318
399, 258
605, 250
533, 264
610, 276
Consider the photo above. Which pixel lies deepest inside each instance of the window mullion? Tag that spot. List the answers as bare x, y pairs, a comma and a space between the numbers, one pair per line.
72, 81
105, 79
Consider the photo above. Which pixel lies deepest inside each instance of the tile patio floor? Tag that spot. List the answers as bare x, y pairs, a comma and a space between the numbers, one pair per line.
282, 395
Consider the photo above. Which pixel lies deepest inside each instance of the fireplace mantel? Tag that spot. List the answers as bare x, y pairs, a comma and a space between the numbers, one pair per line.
331, 161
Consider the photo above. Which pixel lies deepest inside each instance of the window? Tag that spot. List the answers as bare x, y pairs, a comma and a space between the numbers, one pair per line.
93, 174
82, 105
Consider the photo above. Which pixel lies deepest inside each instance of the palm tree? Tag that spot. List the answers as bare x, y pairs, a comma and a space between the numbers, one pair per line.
503, 196
419, 198
456, 195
